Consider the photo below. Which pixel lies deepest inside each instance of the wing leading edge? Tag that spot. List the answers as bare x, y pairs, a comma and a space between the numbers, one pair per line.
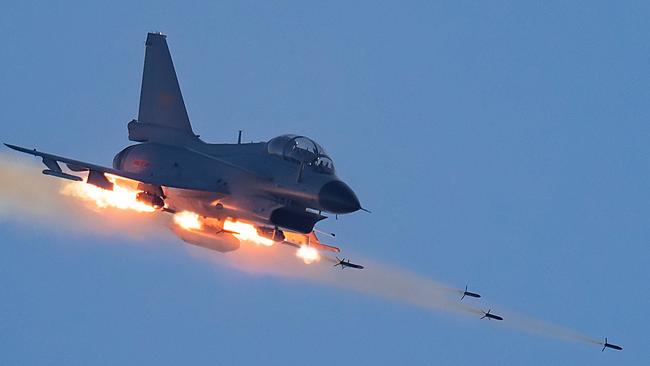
97, 171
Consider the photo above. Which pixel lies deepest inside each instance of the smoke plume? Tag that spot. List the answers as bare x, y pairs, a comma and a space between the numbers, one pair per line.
31, 198
27, 197
384, 281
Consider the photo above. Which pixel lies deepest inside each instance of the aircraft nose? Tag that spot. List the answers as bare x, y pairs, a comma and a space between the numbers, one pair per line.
338, 198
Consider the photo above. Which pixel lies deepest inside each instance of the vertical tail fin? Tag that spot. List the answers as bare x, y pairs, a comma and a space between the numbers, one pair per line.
161, 101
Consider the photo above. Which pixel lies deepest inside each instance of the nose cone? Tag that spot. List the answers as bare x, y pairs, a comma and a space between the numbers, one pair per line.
336, 197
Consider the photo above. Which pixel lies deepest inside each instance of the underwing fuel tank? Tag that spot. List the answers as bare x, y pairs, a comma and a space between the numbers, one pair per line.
220, 241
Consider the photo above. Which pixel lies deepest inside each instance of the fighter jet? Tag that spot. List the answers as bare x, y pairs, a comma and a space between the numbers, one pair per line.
470, 294
612, 346
491, 316
346, 264
287, 183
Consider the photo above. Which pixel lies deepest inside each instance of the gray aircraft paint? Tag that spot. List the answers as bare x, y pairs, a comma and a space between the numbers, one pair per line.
275, 183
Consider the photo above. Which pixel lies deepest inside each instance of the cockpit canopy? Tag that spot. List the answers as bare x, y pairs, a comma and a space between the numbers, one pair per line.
301, 149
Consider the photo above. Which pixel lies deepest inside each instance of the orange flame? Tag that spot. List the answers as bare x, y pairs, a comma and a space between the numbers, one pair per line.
241, 230
122, 196
246, 232
188, 220
308, 254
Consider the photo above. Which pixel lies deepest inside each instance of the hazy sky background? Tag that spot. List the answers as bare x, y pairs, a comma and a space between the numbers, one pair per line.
500, 144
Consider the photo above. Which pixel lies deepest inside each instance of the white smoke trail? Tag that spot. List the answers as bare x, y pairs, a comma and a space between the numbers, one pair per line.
30, 198
382, 280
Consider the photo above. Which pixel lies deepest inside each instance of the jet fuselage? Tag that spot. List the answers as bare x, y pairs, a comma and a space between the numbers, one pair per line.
238, 181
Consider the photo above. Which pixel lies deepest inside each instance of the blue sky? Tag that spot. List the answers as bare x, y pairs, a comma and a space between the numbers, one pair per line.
503, 145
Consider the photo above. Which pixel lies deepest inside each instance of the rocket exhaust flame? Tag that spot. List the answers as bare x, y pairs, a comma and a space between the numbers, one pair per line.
241, 230
188, 220
308, 254
122, 196
393, 283
30, 198
26, 197
246, 232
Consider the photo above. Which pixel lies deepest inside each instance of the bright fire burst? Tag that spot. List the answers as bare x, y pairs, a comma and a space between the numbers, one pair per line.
122, 196
246, 232
308, 254
188, 220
